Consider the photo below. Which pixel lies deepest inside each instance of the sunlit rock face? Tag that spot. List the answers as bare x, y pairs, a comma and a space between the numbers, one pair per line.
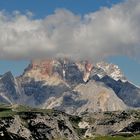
99, 97
111, 70
70, 86
40, 69
87, 72
62, 70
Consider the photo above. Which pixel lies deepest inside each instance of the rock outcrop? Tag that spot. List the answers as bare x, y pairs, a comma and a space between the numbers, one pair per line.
23, 123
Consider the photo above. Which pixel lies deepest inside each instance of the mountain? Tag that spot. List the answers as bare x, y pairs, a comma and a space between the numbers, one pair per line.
8, 88
71, 86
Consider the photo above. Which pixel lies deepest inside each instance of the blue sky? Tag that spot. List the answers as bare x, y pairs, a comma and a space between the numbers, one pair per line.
43, 8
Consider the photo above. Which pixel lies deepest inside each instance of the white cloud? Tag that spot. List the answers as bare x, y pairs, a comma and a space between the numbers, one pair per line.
97, 35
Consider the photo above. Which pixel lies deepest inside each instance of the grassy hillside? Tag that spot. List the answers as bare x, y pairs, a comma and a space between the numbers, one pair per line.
10, 111
114, 138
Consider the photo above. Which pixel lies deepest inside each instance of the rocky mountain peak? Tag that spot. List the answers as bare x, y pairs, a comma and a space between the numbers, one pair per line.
69, 70
63, 69
39, 69
8, 78
44, 66
111, 70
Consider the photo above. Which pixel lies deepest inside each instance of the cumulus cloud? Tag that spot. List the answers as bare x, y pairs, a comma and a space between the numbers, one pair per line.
107, 32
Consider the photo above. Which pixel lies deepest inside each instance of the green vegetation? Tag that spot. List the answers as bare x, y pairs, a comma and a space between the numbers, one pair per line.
6, 111
10, 111
114, 138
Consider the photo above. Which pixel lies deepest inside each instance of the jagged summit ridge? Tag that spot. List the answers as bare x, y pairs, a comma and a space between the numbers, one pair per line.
112, 70
43, 69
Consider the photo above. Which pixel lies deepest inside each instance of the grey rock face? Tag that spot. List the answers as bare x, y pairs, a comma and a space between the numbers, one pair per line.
39, 92
126, 91
70, 102
99, 97
8, 88
90, 97
130, 94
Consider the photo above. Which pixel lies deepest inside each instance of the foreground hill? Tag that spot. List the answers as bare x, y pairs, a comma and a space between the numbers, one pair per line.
24, 123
